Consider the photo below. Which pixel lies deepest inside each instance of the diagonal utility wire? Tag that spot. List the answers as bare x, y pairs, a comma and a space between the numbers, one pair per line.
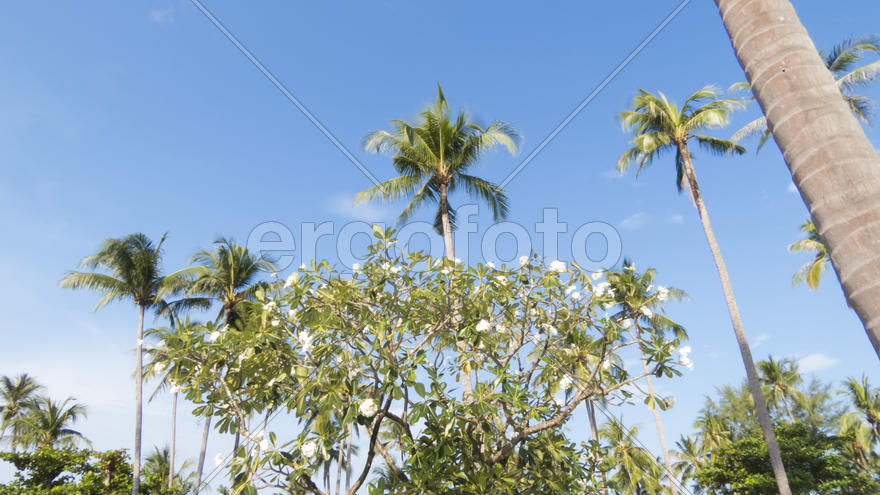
286, 92
598, 89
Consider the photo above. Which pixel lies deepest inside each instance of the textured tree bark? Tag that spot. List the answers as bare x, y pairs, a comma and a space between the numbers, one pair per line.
832, 162
738, 330
139, 407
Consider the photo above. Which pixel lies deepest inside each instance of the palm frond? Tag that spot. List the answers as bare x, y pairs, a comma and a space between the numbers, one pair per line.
718, 146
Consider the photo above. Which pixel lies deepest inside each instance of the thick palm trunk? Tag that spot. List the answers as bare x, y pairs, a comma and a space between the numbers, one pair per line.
832, 162
594, 428
202, 449
467, 387
139, 405
173, 440
666, 460
751, 372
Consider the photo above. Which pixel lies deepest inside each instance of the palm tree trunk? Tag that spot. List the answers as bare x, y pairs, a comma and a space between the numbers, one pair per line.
751, 372
202, 449
139, 407
339, 467
832, 162
788, 408
666, 460
348, 458
467, 387
594, 428
173, 440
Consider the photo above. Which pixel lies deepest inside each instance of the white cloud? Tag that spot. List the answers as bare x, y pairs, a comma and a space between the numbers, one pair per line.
760, 339
816, 362
162, 16
792, 188
343, 205
612, 174
635, 221
675, 219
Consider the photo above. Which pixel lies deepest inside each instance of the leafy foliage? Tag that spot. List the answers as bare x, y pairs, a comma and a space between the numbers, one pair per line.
68, 471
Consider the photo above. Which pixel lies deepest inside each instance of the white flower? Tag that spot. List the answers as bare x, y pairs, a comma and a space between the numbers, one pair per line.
219, 459
160, 367
457, 261
309, 449
445, 271
269, 306
559, 401
264, 445
627, 323
483, 325
598, 275
575, 295
501, 328
291, 314
491, 264
523, 260
601, 289
570, 289
302, 266
368, 408
175, 389
557, 266
274, 275
305, 340
631, 268
551, 329
275, 323
213, 336
565, 383
662, 293
606, 364
647, 312
501, 279
356, 267
386, 265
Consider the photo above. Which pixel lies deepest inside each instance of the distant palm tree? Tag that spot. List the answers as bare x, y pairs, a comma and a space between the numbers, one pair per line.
156, 468
781, 379
130, 269
866, 400
691, 457
660, 126
47, 424
17, 395
228, 274
811, 271
433, 157
841, 60
636, 471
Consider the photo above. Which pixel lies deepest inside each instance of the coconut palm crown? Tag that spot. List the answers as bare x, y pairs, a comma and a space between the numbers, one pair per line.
434, 156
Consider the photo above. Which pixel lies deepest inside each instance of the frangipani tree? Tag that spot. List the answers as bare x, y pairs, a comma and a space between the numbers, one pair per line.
383, 347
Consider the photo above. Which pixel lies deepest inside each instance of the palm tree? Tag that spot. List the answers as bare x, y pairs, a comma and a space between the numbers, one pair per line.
228, 275
169, 372
811, 271
781, 379
47, 424
157, 467
636, 470
660, 126
833, 164
841, 61
691, 456
130, 270
17, 395
866, 400
433, 157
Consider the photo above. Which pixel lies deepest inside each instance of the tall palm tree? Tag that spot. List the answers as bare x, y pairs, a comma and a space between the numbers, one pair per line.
636, 470
157, 466
17, 395
660, 126
169, 372
811, 271
434, 156
841, 60
833, 164
47, 423
691, 456
781, 378
130, 268
229, 275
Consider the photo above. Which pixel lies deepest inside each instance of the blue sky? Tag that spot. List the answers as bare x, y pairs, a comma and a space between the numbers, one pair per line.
117, 117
